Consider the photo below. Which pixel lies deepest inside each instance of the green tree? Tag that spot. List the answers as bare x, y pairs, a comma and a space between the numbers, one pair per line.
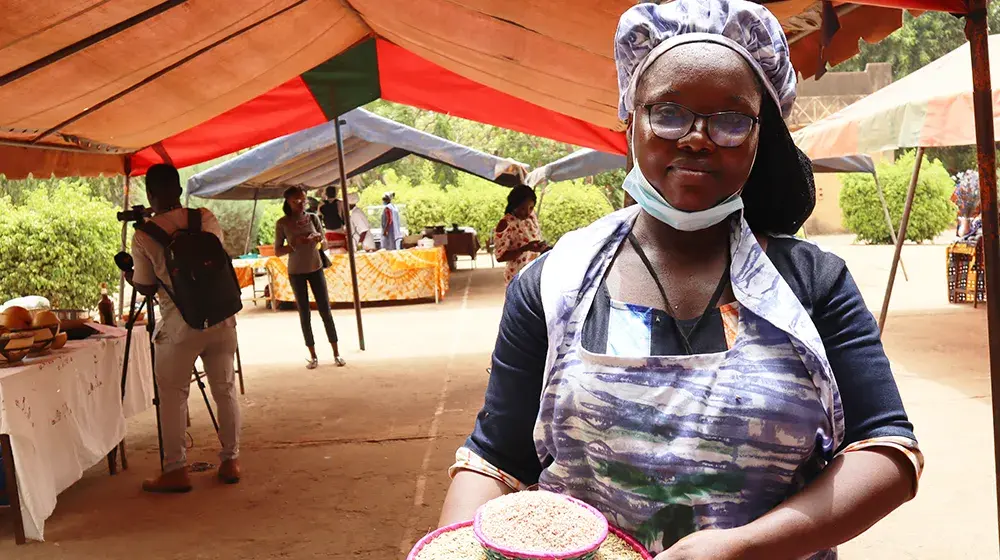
59, 243
570, 206
932, 211
476, 203
270, 213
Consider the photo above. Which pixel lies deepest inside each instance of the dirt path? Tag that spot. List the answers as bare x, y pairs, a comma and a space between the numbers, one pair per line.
350, 463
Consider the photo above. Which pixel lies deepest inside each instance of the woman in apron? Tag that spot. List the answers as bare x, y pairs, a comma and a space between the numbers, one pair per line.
715, 387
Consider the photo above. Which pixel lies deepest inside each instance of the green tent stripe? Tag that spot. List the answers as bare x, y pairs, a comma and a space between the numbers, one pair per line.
346, 81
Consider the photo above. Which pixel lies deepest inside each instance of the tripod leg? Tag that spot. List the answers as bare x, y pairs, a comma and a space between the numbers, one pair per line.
208, 405
239, 369
113, 454
151, 328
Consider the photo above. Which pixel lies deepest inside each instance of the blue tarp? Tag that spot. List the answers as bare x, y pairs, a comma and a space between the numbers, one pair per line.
308, 159
587, 162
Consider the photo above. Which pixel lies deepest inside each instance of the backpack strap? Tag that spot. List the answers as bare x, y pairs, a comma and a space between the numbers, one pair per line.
156, 232
194, 219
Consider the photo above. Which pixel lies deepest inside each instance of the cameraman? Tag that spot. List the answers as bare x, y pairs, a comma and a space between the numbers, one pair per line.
178, 345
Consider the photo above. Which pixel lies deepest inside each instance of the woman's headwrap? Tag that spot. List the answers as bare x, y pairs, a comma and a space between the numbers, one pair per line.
780, 193
648, 30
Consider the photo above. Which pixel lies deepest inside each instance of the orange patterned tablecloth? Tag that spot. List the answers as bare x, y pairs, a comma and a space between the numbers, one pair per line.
244, 269
382, 276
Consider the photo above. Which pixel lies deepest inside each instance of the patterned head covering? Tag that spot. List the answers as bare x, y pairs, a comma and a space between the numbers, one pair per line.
648, 30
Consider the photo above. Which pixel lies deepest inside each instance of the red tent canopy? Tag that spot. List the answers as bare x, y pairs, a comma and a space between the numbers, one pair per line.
85, 83
403, 78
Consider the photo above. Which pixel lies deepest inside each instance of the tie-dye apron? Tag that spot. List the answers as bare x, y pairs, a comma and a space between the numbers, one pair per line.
668, 445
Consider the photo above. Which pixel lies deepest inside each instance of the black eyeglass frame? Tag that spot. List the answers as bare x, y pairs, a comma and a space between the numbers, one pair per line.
755, 121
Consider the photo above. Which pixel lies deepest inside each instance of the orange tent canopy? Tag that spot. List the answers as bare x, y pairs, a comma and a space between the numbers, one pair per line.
85, 82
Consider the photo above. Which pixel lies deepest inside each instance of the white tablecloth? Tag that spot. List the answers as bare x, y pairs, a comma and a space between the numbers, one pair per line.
64, 414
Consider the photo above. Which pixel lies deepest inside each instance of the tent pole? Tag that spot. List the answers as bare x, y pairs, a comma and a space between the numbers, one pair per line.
125, 203
253, 218
903, 223
541, 197
982, 97
347, 230
888, 221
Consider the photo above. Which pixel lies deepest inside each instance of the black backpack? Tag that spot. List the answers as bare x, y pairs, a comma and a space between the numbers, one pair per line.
205, 288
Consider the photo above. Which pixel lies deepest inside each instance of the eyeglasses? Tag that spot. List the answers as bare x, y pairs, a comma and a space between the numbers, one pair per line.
671, 121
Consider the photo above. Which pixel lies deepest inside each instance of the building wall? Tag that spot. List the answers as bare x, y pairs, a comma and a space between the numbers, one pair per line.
834, 91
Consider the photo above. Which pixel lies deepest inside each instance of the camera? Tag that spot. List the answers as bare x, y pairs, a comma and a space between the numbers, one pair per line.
137, 214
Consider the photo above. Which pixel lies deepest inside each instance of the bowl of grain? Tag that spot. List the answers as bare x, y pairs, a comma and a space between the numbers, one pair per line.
454, 542
539, 525
459, 542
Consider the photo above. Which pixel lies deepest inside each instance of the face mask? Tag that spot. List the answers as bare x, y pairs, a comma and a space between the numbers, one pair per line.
650, 200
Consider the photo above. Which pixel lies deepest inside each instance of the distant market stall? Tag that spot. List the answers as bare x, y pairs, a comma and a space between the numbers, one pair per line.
309, 159
932, 107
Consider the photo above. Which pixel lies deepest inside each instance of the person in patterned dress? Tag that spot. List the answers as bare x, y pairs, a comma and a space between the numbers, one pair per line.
518, 239
715, 387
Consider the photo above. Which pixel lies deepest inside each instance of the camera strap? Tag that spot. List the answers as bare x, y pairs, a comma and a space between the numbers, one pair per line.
160, 235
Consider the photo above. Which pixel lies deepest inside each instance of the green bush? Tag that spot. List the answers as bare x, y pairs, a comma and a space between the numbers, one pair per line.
60, 244
932, 212
423, 205
569, 206
270, 213
234, 219
476, 203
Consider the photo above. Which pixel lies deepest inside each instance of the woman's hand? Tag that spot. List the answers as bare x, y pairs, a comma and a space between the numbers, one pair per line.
536, 247
709, 544
308, 239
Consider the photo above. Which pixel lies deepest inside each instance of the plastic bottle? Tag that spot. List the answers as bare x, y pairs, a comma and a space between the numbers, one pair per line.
106, 307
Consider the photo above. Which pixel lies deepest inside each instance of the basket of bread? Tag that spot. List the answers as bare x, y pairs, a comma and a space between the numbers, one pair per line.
23, 332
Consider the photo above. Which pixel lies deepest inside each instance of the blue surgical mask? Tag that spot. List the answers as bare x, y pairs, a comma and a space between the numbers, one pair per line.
650, 200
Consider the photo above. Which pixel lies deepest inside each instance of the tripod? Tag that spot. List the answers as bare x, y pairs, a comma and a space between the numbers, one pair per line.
150, 329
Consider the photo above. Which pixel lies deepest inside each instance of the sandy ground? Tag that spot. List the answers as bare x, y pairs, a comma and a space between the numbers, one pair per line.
350, 463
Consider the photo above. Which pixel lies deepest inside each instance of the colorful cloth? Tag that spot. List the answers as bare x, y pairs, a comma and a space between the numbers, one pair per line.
668, 445
244, 270
966, 195
382, 276
649, 29
819, 280
513, 233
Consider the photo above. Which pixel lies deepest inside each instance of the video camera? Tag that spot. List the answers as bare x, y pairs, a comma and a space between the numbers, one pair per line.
137, 214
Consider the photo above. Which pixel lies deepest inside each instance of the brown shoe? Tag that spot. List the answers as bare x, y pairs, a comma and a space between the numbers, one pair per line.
173, 482
229, 471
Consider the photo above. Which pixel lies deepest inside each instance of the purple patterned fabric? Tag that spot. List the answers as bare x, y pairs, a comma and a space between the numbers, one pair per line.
744, 26
668, 445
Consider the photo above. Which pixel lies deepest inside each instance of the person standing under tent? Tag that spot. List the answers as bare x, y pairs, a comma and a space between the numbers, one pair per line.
518, 239
392, 230
333, 221
178, 345
715, 387
299, 234
360, 228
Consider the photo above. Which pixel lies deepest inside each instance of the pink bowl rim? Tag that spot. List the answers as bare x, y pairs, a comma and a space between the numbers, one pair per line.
477, 529
419, 547
433, 535
630, 540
